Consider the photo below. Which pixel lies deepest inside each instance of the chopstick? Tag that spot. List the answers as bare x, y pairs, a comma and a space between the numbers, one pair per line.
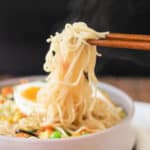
118, 40
132, 37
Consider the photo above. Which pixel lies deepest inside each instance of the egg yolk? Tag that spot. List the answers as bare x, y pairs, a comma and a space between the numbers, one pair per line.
30, 93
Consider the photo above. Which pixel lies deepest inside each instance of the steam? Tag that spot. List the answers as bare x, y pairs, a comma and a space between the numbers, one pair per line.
113, 16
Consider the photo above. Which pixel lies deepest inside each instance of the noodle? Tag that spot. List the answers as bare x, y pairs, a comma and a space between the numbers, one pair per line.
69, 94
70, 102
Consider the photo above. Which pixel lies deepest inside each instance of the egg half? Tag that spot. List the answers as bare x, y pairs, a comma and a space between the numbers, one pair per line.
25, 96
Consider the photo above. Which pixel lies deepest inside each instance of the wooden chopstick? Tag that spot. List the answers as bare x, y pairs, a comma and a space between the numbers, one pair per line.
136, 37
130, 41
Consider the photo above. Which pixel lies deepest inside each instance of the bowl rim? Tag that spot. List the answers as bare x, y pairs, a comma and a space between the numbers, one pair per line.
127, 119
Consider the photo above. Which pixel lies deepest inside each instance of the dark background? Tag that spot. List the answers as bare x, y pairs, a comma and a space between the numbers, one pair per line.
25, 25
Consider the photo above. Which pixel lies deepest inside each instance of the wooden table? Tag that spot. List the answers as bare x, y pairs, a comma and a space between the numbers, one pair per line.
137, 88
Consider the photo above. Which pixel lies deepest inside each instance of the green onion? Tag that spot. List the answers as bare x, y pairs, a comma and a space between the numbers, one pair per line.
56, 135
122, 114
85, 133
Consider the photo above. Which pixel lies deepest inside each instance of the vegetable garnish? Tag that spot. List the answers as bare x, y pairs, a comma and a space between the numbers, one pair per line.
6, 90
29, 132
56, 135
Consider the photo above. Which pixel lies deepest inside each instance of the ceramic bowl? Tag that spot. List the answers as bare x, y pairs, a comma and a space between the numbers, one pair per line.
118, 137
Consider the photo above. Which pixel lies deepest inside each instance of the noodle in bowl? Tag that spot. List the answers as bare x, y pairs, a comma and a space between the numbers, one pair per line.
118, 137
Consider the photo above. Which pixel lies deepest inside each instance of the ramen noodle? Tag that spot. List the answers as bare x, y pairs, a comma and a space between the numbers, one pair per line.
69, 103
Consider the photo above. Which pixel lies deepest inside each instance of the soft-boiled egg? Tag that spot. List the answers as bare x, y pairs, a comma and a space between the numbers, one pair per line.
25, 96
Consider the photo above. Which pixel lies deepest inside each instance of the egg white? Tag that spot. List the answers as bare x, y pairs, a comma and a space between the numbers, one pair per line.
25, 105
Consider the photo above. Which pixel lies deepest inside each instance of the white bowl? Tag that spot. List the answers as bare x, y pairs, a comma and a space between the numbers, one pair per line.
119, 137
